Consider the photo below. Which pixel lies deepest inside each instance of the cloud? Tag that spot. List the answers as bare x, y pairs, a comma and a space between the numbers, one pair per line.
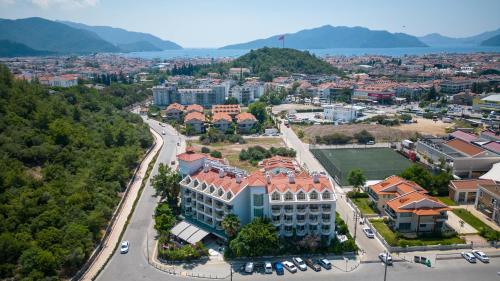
7, 2
68, 4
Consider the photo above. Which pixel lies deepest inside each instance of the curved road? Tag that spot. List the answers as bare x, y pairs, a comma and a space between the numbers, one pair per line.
134, 265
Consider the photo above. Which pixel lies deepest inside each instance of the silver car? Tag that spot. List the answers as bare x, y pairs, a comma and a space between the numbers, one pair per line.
469, 257
124, 247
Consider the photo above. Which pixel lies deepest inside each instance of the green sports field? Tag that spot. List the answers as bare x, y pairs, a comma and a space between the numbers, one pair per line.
376, 163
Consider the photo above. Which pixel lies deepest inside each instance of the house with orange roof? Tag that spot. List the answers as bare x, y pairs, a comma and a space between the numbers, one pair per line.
173, 112
245, 122
464, 191
196, 121
221, 121
230, 109
390, 188
416, 212
279, 164
194, 108
296, 202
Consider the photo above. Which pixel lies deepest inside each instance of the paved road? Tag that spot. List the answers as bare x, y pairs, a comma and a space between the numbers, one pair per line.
371, 247
134, 265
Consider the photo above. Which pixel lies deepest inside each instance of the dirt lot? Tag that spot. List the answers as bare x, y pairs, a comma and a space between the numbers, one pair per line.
231, 151
380, 132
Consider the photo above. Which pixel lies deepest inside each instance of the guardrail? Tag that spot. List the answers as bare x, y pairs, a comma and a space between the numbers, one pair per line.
97, 251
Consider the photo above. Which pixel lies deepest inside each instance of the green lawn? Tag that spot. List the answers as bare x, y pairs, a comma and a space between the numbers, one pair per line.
364, 205
447, 200
484, 230
392, 238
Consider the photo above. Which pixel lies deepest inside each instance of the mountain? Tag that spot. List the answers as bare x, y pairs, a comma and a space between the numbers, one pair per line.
45, 35
438, 40
139, 46
493, 41
13, 49
119, 36
335, 37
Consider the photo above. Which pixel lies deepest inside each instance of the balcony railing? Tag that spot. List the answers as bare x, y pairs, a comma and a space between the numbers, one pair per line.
313, 209
301, 210
390, 213
326, 209
301, 232
443, 217
288, 210
325, 231
276, 211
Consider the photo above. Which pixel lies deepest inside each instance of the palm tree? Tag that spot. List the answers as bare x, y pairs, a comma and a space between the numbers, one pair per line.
231, 225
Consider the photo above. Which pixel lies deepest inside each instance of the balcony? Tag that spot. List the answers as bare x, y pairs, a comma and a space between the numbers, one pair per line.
187, 202
288, 222
227, 209
301, 232
301, 221
441, 218
390, 213
326, 209
219, 206
301, 210
288, 210
277, 222
313, 221
276, 211
288, 233
219, 216
325, 231
326, 220
314, 210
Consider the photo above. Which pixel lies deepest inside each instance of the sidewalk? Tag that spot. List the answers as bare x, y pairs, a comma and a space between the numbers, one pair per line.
119, 224
478, 215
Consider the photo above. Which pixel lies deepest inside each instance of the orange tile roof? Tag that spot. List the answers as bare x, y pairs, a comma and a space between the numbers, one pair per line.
395, 185
190, 156
407, 204
221, 116
245, 116
175, 106
194, 107
469, 184
195, 115
227, 183
464, 147
227, 108
303, 181
279, 162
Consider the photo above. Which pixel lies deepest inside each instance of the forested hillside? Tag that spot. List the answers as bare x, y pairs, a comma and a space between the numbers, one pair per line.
64, 158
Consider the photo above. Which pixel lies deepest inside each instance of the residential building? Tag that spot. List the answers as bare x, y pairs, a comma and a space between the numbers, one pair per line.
168, 94
464, 158
165, 94
374, 93
455, 86
196, 121
173, 112
194, 108
390, 188
65, 80
463, 98
490, 135
488, 201
238, 71
230, 109
416, 212
221, 121
244, 95
279, 165
296, 203
245, 122
464, 191
489, 103
338, 112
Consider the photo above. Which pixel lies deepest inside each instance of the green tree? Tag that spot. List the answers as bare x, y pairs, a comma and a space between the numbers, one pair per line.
258, 109
216, 154
257, 238
357, 179
364, 137
231, 225
300, 134
164, 218
166, 183
418, 174
231, 100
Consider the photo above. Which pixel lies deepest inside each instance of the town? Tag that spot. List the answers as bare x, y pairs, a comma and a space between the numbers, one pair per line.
334, 152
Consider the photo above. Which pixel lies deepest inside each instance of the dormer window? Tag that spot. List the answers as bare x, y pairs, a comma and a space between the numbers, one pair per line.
212, 189
203, 186
313, 195
326, 195
196, 183
288, 196
301, 196
276, 196
229, 195
220, 192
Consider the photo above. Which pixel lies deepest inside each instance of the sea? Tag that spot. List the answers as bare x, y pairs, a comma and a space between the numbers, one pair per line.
234, 53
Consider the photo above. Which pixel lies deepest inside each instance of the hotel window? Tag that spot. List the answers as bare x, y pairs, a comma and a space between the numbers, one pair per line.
301, 196
220, 193
258, 200
258, 212
276, 196
326, 195
313, 195
288, 196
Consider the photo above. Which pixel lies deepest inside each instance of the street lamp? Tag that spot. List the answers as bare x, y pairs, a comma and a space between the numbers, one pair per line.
385, 266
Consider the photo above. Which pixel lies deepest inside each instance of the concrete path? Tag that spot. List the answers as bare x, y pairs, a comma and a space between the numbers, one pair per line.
478, 215
120, 222
454, 222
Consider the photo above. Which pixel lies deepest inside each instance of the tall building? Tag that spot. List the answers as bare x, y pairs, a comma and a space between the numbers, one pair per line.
296, 202
164, 95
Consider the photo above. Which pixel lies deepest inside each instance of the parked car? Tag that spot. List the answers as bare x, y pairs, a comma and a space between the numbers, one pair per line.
370, 142
368, 232
290, 266
326, 264
314, 265
385, 257
481, 256
469, 257
300, 263
268, 268
249, 267
172, 162
279, 268
124, 247
163, 132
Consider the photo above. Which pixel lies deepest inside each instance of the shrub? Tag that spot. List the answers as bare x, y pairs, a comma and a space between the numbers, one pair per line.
205, 150
216, 154
354, 194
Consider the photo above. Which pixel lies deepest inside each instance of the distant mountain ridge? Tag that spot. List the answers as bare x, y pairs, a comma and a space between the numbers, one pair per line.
131, 39
493, 41
45, 35
328, 36
14, 49
438, 40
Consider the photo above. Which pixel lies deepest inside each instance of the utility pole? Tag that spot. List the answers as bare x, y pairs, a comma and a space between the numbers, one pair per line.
231, 271
385, 269
355, 224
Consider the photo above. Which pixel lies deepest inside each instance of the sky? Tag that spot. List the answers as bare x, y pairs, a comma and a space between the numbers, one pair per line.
215, 23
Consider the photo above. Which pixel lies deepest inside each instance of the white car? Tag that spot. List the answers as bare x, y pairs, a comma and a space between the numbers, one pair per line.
368, 232
469, 257
300, 263
290, 266
385, 257
481, 256
163, 132
268, 267
249, 267
325, 263
124, 247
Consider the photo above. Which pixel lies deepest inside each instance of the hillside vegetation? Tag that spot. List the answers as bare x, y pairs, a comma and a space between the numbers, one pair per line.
64, 158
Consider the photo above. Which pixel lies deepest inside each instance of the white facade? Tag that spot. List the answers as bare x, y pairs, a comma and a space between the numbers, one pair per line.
336, 112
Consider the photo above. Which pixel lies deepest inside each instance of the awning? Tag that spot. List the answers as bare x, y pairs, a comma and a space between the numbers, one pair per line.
188, 232
493, 173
